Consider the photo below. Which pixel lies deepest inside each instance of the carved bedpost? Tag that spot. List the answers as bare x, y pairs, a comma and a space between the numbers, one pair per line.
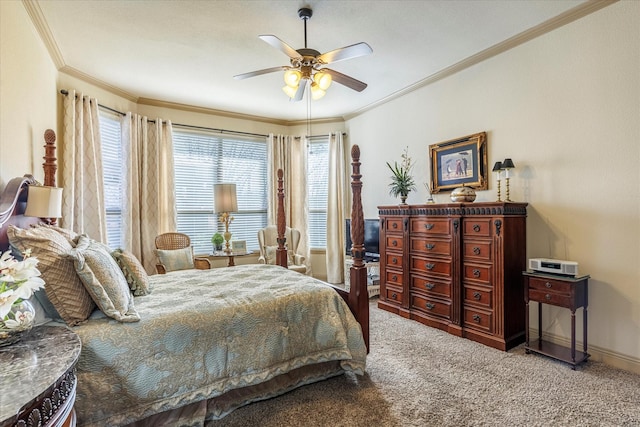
358, 295
281, 251
50, 165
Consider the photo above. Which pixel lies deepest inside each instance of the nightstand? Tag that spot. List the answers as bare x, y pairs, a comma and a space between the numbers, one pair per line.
559, 291
38, 384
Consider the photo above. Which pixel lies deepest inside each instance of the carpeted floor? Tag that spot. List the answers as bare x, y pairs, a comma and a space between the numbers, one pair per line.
420, 376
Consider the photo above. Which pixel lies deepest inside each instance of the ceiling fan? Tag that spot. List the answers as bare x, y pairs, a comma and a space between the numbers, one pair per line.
307, 65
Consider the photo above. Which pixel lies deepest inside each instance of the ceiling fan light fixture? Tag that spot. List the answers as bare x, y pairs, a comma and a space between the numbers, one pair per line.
292, 77
323, 80
290, 90
317, 92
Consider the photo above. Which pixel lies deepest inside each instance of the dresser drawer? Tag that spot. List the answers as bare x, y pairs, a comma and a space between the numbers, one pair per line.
430, 266
431, 306
393, 295
393, 260
478, 319
477, 227
430, 226
477, 250
393, 224
440, 288
478, 273
393, 277
394, 242
431, 246
481, 297
553, 298
550, 285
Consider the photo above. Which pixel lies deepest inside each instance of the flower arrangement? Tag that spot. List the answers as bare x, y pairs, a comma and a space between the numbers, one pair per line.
401, 181
18, 281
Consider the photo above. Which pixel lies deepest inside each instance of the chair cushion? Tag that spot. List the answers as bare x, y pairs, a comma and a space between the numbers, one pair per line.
270, 255
133, 271
63, 287
176, 259
103, 279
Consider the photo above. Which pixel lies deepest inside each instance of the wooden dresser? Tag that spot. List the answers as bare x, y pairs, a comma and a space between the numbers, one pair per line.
457, 267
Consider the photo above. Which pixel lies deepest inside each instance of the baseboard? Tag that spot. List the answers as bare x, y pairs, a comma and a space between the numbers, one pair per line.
611, 358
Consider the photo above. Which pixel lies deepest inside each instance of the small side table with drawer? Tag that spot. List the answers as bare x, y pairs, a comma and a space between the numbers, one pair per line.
559, 291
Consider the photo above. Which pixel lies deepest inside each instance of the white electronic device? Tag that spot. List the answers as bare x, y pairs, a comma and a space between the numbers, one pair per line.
554, 266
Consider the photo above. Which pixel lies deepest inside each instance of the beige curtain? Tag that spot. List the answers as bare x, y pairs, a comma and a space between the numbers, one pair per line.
290, 154
337, 205
149, 193
83, 209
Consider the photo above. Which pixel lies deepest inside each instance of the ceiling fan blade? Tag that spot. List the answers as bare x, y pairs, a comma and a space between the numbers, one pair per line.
259, 72
280, 45
300, 92
347, 52
343, 79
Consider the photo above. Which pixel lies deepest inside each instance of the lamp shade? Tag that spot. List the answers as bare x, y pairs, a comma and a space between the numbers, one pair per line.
497, 167
508, 164
44, 202
224, 196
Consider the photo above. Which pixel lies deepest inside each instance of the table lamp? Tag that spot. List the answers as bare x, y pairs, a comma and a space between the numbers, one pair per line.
44, 202
224, 196
497, 168
506, 165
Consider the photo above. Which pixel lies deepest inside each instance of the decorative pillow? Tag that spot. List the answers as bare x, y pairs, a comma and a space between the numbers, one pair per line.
270, 255
176, 259
62, 285
103, 279
133, 271
70, 235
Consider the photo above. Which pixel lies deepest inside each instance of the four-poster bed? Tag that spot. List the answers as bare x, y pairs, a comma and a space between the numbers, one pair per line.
275, 330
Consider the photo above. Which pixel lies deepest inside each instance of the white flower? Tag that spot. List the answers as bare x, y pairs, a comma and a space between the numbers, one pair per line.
23, 319
18, 280
7, 298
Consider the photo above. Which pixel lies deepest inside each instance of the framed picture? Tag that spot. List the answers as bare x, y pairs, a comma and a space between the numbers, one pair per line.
239, 246
461, 161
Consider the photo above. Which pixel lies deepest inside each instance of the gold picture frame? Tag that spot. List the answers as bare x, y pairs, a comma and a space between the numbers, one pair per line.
458, 162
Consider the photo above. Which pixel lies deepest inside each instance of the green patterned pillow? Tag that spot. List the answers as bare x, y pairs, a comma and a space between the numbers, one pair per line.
103, 279
176, 259
133, 271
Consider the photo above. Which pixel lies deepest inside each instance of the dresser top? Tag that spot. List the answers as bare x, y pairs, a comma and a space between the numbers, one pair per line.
466, 209
30, 366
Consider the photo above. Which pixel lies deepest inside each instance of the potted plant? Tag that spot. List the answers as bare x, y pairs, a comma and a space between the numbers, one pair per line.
217, 240
401, 181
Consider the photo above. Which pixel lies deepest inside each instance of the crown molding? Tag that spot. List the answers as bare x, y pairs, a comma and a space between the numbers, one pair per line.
565, 18
37, 17
70, 71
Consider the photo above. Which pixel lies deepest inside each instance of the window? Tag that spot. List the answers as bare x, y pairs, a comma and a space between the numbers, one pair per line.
318, 191
204, 158
110, 136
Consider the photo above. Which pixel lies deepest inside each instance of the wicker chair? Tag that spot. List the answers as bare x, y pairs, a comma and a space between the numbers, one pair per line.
173, 241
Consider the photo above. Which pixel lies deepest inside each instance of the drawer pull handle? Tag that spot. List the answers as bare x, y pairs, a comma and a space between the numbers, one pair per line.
430, 246
394, 278
477, 318
477, 296
547, 297
476, 250
394, 296
476, 228
429, 285
430, 306
394, 243
394, 225
476, 272
394, 260
428, 226
548, 285
429, 266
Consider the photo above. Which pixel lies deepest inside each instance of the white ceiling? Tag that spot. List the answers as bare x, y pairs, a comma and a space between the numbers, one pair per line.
187, 51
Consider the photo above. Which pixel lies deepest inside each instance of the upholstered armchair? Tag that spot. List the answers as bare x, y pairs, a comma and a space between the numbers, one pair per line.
175, 252
268, 244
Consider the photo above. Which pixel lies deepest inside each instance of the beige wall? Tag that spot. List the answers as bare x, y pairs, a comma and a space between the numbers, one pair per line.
27, 94
565, 107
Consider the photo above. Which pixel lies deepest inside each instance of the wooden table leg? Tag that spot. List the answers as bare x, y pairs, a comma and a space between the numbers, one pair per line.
573, 337
231, 262
539, 321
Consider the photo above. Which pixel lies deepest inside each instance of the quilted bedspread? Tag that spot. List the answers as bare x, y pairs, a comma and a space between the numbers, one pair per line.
205, 332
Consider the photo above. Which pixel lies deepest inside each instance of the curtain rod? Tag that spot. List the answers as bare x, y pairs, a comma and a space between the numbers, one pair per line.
66, 92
